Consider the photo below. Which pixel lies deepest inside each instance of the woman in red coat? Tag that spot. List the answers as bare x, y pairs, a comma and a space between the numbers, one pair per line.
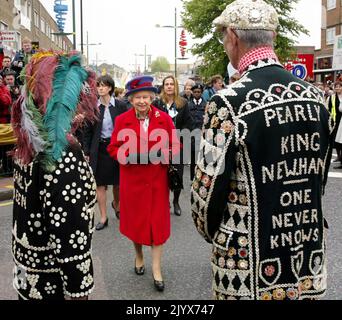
142, 141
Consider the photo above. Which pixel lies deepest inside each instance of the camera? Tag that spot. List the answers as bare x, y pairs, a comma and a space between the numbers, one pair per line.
21, 56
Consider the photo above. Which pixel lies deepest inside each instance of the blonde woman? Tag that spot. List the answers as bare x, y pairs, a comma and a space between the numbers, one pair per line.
177, 108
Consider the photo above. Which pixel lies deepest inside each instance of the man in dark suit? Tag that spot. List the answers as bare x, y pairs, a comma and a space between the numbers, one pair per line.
257, 195
96, 140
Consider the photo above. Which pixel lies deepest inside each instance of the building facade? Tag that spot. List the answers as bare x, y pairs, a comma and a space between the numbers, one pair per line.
331, 27
29, 18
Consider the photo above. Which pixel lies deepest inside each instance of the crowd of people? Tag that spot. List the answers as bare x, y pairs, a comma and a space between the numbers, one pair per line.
332, 99
82, 136
10, 88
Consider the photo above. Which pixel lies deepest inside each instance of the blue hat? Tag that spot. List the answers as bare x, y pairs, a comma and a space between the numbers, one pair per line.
142, 83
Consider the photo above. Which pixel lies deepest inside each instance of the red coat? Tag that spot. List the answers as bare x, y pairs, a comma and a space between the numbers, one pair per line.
144, 191
5, 105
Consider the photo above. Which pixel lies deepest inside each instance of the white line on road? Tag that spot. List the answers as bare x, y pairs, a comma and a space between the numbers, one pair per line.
335, 175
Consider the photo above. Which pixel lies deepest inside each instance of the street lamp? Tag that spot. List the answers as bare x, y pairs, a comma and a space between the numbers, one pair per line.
89, 44
144, 55
74, 23
175, 27
97, 61
81, 13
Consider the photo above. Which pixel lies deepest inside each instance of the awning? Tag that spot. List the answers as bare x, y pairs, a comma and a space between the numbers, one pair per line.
324, 70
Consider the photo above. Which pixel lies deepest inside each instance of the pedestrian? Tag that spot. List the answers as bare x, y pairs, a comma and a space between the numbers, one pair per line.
178, 109
120, 94
216, 84
9, 79
335, 108
197, 109
233, 74
54, 188
187, 93
22, 58
6, 65
144, 189
257, 196
5, 119
97, 138
5, 103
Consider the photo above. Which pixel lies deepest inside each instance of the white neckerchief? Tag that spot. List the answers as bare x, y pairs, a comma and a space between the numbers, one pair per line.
172, 111
198, 102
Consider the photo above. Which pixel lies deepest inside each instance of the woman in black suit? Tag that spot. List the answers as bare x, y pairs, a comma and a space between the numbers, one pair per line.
177, 107
97, 139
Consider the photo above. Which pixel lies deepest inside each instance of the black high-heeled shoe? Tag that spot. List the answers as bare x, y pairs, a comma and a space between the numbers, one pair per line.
101, 226
177, 209
117, 212
140, 271
159, 285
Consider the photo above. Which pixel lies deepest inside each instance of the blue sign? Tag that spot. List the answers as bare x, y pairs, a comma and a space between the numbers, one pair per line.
61, 11
300, 71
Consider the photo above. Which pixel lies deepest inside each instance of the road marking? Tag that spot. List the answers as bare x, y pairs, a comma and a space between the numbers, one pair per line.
6, 204
335, 175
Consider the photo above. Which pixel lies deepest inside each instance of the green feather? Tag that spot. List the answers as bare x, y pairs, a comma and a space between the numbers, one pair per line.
61, 107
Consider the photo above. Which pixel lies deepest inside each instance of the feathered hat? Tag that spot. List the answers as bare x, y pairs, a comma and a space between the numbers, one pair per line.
141, 83
56, 89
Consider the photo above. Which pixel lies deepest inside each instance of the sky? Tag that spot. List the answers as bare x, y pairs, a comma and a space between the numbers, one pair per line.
124, 27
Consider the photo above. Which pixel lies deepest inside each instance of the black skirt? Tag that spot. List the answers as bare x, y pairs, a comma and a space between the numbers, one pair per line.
108, 170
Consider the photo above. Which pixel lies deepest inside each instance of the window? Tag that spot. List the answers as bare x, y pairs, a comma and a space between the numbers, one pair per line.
17, 4
42, 25
325, 63
24, 8
331, 32
36, 19
331, 4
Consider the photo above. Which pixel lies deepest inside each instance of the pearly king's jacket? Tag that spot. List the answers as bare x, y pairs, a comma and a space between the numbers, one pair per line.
52, 228
257, 195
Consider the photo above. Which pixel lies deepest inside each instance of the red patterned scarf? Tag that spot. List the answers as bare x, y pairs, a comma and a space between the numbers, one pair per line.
255, 55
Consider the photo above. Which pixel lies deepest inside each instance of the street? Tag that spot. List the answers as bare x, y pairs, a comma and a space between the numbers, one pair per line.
186, 264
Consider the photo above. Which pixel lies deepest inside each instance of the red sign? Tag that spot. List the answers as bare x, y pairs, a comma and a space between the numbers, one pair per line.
8, 36
183, 43
302, 67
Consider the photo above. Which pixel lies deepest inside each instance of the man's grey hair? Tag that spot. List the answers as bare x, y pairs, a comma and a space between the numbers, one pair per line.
255, 38
189, 83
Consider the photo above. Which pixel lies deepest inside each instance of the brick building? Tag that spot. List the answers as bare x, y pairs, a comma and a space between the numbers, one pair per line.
29, 18
331, 26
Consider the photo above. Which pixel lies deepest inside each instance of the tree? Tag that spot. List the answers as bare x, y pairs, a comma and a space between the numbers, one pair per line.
198, 16
160, 65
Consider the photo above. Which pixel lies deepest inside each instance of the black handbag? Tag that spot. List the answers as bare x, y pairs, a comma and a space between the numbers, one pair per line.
175, 181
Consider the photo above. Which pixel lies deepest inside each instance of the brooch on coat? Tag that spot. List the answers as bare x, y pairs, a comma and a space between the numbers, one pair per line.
157, 114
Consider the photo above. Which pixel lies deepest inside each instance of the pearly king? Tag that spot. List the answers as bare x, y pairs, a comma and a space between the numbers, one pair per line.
265, 155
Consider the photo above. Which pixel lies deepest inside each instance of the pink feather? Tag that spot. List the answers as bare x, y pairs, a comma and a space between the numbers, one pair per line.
40, 80
87, 106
